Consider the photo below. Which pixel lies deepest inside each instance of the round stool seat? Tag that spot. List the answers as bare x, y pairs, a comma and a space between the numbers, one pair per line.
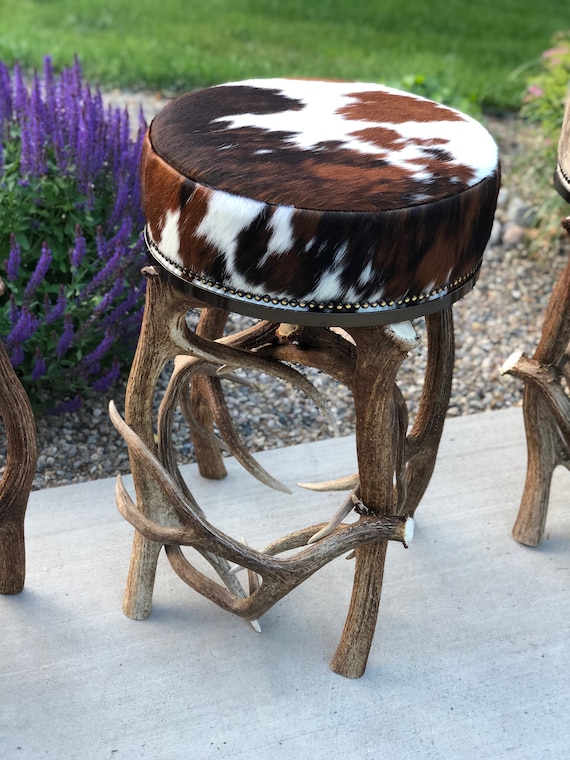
318, 202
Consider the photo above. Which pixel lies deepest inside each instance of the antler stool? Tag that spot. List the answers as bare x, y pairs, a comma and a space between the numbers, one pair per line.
546, 405
335, 213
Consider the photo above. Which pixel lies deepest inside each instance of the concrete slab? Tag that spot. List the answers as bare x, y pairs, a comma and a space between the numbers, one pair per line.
470, 660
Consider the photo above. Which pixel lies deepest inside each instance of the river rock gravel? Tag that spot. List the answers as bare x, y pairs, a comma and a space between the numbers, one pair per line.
502, 314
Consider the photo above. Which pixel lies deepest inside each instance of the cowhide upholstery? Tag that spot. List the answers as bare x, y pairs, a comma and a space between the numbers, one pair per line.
318, 196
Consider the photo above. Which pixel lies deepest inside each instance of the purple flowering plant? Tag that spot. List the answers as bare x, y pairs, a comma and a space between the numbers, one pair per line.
71, 247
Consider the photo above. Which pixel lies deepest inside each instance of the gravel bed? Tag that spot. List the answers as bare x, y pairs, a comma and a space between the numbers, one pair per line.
504, 313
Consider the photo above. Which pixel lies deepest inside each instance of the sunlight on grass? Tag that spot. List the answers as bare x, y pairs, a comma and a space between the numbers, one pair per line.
474, 52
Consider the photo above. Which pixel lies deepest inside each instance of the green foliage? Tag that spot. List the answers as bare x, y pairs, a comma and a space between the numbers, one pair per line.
548, 90
435, 89
544, 102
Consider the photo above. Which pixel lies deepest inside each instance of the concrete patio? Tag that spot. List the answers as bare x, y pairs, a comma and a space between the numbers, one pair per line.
471, 657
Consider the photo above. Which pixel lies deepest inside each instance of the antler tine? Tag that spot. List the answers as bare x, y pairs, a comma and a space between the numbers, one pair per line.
233, 440
343, 511
340, 484
176, 536
234, 357
185, 368
205, 535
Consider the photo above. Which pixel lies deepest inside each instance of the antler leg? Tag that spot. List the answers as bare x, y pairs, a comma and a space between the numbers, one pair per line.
424, 438
15, 486
545, 408
155, 349
379, 445
210, 461
542, 459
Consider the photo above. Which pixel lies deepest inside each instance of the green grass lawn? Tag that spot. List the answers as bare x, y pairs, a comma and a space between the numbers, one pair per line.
467, 50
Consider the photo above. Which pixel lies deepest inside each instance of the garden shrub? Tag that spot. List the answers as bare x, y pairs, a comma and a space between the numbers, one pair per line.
548, 88
71, 247
543, 104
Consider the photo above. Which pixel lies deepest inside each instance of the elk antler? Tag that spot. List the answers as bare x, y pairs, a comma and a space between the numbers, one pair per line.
279, 575
16, 484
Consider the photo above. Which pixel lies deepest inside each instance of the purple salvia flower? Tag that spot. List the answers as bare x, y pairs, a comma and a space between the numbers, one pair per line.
21, 99
104, 250
142, 125
118, 313
60, 147
77, 253
74, 102
13, 311
77, 72
39, 273
38, 165
68, 406
136, 202
82, 149
24, 328
116, 145
90, 197
102, 384
58, 309
16, 354
105, 274
40, 366
122, 236
98, 146
5, 96
91, 365
50, 97
98, 133
99, 353
93, 160
66, 338
115, 292
59, 127
121, 202
26, 151
13, 263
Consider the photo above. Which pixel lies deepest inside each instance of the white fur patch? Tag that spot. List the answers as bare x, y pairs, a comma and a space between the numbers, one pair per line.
321, 120
329, 284
282, 238
169, 242
225, 218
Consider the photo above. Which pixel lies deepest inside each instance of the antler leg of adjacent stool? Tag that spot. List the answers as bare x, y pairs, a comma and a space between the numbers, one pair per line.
380, 445
545, 410
22, 457
542, 459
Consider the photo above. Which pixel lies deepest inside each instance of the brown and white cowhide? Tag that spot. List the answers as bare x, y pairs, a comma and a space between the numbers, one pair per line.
312, 192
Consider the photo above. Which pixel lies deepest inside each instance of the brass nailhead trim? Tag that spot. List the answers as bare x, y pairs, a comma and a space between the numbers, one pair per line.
293, 303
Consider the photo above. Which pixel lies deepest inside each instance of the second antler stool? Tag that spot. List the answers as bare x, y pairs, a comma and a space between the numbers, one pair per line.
546, 403
335, 213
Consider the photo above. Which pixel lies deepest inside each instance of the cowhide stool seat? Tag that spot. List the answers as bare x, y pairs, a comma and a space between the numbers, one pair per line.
335, 213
